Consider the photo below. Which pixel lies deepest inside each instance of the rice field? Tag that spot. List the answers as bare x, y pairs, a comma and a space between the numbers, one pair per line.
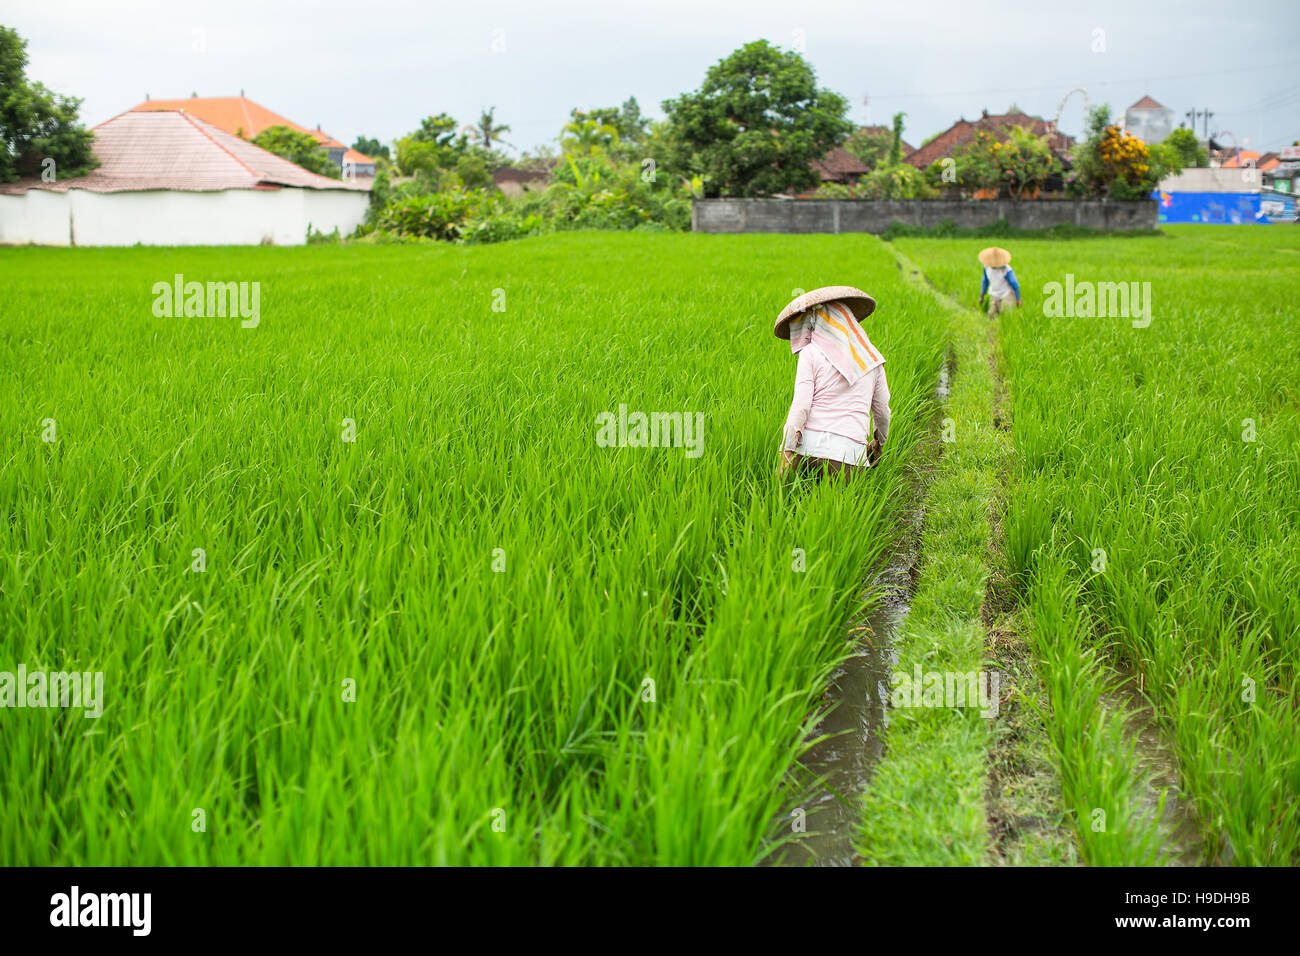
471, 633
1152, 526
399, 575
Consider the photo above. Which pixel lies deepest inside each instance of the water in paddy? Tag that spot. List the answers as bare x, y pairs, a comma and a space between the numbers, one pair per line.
838, 768
853, 727
1178, 816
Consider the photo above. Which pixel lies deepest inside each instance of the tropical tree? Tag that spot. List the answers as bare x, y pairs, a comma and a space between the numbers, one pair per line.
587, 136
488, 131
1188, 148
1115, 163
299, 148
871, 146
756, 124
371, 147
436, 146
1020, 163
36, 124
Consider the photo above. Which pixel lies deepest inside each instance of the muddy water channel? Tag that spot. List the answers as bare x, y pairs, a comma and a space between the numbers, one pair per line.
838, 768
834, 773
1177, 816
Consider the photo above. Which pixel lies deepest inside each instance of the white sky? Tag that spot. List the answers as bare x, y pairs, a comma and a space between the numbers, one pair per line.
378, 66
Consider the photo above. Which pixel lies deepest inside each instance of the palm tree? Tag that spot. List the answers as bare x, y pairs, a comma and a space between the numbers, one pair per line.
487, 131
587, 137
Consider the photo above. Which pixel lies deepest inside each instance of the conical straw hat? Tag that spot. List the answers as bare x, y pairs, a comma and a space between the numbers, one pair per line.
995, 256
857, 300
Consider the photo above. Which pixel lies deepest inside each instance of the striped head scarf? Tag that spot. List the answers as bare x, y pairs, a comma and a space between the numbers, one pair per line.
837, 332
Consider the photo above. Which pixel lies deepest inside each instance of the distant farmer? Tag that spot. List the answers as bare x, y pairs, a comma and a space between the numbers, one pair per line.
840, 391
997, 281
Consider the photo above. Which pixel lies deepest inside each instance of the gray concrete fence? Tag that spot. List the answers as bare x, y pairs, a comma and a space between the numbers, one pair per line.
875, 215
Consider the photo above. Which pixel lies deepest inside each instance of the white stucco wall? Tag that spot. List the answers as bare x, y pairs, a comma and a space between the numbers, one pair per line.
174, 218
34, 216
1212, 180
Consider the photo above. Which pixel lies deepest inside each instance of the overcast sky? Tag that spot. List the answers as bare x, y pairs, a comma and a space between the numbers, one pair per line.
375, 67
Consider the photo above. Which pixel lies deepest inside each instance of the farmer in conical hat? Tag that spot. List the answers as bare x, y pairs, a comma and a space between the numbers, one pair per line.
997, 281
840, 392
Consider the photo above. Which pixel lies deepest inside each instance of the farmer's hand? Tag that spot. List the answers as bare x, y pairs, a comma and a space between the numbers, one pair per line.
1017, 303
873, 451
787, 458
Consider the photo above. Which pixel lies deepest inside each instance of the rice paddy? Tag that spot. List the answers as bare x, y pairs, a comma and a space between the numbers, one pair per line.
477, 555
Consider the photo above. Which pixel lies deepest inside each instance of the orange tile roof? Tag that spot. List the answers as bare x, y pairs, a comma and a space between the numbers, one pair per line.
238, 116
1234, 161
173, 149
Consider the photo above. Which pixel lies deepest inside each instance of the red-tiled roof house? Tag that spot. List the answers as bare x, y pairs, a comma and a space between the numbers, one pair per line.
168, 178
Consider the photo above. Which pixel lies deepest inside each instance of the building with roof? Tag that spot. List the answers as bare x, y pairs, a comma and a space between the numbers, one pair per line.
240, 116
1149, 121
887, 132
168, 178
513, 181
840, 166
998, 125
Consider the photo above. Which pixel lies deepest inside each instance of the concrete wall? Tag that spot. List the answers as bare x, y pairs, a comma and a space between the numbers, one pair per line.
173, 218
863, 215
1213, 180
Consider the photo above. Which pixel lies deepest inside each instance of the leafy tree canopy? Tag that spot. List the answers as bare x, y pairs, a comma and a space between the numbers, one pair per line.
1188, 148
371, 147
757, 123
299, 148
37, 124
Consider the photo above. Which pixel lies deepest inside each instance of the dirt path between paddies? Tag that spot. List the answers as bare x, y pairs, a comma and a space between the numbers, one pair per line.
1027, 815
964, 784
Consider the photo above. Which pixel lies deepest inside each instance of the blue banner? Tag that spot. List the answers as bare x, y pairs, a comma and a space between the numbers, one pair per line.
1227, 208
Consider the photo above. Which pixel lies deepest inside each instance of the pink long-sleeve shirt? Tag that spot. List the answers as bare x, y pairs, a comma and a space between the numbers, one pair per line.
825, 402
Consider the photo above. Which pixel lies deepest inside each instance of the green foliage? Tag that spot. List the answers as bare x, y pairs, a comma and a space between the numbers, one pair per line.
885, 182
488, 131
587, 136
591, 192
629, 129
37, 124
1151, 516
493, 584
1190, 152
756, 124
301, 149
1020, 163
870, 146
440, 215
1113, 163
896, 140
371, 147
433, 148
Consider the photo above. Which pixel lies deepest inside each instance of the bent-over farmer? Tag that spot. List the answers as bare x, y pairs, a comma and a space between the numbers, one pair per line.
997, 281
840, 392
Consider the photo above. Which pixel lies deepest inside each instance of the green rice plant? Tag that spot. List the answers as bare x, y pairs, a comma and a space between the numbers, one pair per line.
926, 802
1163, 450
364, 586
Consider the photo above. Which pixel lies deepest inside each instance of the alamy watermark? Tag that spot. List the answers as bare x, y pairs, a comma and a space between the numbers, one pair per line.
76, 689
626, 429
946, 689
1085, 300
208, 300
129, 910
